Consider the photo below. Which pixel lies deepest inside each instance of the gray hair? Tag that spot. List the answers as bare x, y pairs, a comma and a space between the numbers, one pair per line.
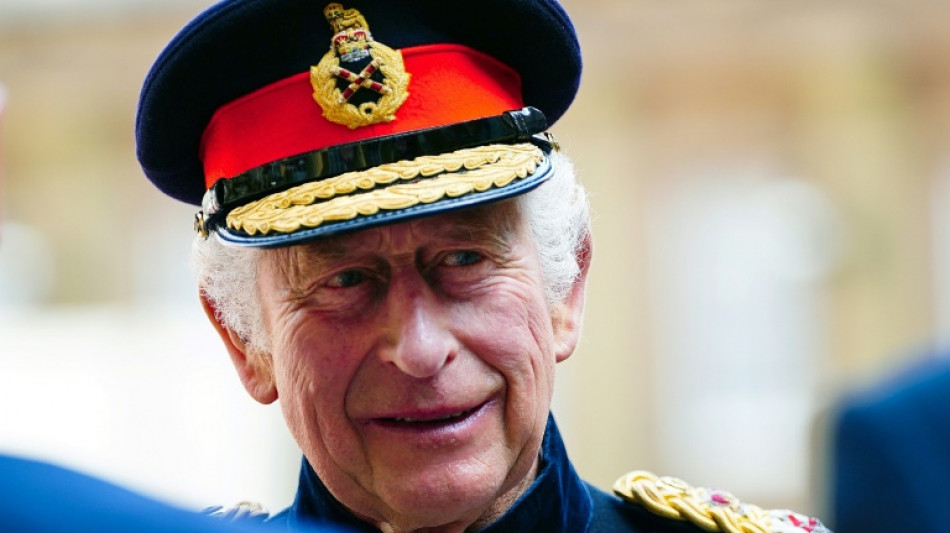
557, 212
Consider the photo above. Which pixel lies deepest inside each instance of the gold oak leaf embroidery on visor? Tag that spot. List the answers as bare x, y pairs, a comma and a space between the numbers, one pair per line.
428, 179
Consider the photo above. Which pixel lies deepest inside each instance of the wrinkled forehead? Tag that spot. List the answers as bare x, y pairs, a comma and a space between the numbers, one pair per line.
496, 224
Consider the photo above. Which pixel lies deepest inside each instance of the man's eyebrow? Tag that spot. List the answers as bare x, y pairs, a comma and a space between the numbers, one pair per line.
477, 230
327, 249
295, 262
484, 224
306, 260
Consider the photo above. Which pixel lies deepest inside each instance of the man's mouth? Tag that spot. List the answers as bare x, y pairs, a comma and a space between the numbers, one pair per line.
433, 429
424, 421
434, 420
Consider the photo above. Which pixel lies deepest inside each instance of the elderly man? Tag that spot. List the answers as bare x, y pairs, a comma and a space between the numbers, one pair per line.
392, 245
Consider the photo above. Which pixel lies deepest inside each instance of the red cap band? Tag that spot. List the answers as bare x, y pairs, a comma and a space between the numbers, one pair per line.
449, 83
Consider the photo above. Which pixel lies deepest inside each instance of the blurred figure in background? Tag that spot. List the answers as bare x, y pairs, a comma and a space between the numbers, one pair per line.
39, 497
891, 454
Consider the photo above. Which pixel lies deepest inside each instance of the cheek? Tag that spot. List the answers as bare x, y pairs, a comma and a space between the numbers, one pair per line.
513, 335
313, 375
300, 390
312, 355
511, 332
516, 316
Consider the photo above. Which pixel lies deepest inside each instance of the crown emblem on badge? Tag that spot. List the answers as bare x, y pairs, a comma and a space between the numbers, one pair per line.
359, 81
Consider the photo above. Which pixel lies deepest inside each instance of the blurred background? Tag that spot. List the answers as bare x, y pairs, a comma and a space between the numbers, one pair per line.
770, 181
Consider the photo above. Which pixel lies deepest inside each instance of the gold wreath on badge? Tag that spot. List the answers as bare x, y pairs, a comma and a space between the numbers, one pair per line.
359, 81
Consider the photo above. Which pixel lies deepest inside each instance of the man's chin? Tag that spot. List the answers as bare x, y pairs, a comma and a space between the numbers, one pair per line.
453, 499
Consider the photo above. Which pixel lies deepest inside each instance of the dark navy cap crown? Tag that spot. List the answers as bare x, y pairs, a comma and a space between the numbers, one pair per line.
237, 47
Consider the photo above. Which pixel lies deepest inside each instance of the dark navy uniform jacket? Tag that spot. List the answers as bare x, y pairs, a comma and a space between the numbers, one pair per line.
558, 501
892, 454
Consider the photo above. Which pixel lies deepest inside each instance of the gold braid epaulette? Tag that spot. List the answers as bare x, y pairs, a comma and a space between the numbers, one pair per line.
244, 510
711, 510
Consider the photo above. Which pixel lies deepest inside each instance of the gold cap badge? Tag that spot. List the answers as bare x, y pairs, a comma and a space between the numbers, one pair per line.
359, 81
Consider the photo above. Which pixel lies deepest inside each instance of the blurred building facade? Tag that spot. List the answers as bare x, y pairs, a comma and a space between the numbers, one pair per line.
770, 182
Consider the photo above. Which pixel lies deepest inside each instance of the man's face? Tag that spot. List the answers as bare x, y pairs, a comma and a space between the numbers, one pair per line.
415, 363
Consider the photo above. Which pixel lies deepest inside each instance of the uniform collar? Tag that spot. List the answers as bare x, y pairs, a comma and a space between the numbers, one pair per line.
557, 501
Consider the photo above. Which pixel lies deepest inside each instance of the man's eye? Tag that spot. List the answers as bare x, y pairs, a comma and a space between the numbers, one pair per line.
462, 258
347, 278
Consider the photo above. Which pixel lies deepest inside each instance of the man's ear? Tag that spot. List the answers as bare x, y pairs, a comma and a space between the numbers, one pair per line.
566, 316
253, 367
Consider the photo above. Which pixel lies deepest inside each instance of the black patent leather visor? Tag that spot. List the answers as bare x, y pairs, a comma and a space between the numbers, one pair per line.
275, 204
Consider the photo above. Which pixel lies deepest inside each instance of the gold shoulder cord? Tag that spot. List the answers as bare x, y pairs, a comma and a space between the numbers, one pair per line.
239, 511
711, 510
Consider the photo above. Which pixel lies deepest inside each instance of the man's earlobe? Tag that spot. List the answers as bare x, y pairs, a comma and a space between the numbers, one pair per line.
568, 314
254, 368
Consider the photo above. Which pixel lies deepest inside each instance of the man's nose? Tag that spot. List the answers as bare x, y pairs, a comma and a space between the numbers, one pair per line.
417, 337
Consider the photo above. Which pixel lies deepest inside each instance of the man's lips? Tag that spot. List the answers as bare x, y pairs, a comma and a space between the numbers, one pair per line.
452, 416
429, 419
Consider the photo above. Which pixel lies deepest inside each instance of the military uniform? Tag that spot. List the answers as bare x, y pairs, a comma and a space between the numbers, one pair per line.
559, 501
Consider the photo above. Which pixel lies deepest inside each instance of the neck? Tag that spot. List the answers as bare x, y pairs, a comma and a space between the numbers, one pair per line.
552, 499
493, 512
